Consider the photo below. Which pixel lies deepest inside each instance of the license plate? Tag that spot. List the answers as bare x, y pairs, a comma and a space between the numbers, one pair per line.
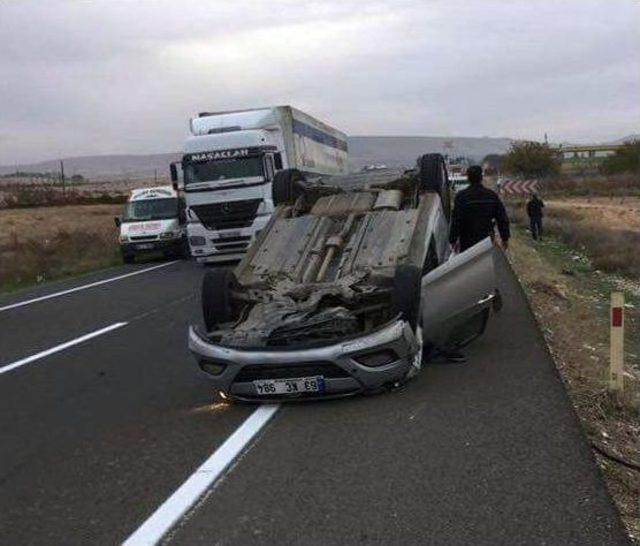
268, 387
229, 234
145, 246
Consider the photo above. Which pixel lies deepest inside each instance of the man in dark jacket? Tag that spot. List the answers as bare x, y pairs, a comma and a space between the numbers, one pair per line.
476, 210
534, 211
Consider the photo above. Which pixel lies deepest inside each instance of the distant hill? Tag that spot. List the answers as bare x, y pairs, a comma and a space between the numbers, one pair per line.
393, 151
626, 139
104, 166
401, 151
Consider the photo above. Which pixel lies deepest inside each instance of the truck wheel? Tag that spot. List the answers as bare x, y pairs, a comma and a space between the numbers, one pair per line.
284, 190
406, 293
216, 297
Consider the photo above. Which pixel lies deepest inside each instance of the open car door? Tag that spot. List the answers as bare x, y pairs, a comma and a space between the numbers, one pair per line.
457, 297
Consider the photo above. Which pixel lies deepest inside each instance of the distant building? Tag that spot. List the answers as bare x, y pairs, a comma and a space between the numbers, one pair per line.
585, 158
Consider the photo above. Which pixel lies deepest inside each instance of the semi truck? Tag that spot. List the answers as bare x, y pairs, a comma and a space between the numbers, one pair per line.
153, 220
347, 287
228, 166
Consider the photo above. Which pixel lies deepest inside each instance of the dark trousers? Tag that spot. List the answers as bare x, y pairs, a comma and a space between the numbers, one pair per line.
535, 223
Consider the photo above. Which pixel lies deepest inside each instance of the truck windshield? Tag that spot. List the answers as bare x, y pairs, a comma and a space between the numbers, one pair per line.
223, 169
150, 209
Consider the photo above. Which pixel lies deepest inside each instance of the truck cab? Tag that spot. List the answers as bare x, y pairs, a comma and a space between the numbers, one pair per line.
227, 180
228, 167
153, 220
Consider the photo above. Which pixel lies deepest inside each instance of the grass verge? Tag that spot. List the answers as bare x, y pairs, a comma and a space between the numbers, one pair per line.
571, 302
37, 245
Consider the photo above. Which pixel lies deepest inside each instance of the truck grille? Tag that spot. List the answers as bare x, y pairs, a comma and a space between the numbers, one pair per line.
232, 243
228, 214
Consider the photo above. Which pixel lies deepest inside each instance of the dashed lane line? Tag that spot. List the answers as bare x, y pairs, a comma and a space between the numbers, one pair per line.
84, 286
179, 503
38, 356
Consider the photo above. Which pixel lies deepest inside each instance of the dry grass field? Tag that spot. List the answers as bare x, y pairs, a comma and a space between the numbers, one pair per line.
607, 229
39, 244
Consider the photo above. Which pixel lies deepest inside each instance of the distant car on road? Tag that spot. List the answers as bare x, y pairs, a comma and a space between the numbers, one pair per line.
152, 221
347, 286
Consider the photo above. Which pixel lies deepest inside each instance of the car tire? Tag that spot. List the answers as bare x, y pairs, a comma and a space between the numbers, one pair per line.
128, 258
432, 174
216, 297
406, 293
284, 190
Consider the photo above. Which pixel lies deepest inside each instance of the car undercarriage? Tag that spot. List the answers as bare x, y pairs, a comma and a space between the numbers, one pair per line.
335, 278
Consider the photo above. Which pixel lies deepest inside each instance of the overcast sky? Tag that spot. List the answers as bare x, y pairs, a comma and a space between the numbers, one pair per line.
124, 77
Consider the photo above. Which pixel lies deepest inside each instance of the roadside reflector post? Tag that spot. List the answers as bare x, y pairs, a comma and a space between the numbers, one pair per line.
616, 365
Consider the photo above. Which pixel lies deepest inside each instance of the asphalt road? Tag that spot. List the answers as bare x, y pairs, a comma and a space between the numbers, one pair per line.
94, 437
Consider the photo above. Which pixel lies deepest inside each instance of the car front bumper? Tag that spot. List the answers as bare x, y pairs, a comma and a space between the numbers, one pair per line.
343, 374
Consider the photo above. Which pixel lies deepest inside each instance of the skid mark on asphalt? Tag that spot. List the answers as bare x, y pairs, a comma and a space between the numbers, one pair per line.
84, 286
187, 495
33, 358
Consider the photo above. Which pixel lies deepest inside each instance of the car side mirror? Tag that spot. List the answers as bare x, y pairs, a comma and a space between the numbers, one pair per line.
117, 221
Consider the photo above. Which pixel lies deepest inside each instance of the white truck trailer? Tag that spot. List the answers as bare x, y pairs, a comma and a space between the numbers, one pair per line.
228, 166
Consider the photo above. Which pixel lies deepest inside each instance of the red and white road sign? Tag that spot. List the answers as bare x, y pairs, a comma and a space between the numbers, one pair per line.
518, 187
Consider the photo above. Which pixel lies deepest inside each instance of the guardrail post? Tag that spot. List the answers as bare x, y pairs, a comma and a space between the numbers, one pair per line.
616, 364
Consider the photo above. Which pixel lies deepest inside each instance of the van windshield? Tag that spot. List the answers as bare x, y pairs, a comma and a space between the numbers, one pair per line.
223, 169
150, 209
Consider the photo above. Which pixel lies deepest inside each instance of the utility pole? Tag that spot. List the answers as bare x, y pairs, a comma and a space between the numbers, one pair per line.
155, 176
64, 189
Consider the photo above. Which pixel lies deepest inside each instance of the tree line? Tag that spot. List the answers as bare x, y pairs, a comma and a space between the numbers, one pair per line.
537, 160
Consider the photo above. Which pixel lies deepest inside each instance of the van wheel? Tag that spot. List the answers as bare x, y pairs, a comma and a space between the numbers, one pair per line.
216, 297
406, 293
284, 190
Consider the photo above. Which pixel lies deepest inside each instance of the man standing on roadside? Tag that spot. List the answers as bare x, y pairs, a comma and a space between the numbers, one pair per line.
534, 211
476, 210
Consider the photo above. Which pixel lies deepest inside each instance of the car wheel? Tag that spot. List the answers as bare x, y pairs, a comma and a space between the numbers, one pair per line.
216, 297
406, 293
432, 174
128, 258
284, 190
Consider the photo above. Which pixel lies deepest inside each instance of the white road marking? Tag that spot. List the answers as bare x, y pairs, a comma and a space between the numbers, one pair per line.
183, 498
61, 347
84, 286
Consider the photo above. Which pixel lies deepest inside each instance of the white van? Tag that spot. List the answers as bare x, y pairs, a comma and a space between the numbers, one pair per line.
153, 220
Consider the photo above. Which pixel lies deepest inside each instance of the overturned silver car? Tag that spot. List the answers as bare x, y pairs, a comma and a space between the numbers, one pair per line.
347, 287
